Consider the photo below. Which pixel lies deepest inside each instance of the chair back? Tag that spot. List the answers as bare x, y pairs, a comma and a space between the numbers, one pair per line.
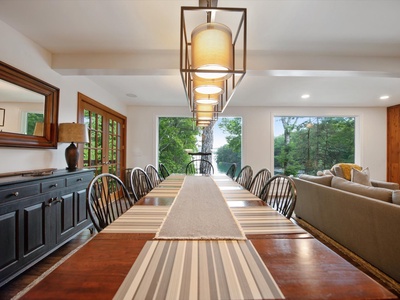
107, 198
153, 174
231, 171
140, 183
163, 171
281, 194
199, 166
259, 181
244, 177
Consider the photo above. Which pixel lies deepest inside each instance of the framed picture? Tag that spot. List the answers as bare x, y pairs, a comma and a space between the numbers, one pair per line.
2, 116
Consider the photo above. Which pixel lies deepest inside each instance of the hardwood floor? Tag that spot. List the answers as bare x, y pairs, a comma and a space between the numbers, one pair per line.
12, 288
9, 290
354, 259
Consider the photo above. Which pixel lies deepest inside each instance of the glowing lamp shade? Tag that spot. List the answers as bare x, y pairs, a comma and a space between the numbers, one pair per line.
203, 123
208, 86
205, 112
212, 49
206, 99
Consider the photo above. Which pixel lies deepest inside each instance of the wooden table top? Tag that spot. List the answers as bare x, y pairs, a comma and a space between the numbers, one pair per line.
302, 267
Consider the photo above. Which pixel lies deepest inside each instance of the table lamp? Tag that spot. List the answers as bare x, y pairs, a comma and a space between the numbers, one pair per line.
72, 133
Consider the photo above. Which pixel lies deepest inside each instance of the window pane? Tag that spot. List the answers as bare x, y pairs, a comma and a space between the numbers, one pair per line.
312, 144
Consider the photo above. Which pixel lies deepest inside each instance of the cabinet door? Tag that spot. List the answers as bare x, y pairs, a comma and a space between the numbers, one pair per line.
9, 233
66, 217
82, 214
36, 227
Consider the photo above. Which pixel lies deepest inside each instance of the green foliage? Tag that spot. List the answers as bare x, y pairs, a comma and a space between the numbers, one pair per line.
233, 127
176, 135
232, 151
315, 144
32, 119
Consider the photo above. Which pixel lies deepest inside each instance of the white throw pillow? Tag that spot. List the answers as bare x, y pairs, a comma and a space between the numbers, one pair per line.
361, 177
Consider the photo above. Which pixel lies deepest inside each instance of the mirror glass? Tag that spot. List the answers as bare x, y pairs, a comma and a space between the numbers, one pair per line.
22, 109
28, 110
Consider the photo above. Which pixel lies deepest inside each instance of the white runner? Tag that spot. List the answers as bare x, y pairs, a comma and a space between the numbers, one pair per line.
200, 212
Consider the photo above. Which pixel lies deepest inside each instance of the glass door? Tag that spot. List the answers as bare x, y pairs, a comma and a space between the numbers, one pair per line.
105, 152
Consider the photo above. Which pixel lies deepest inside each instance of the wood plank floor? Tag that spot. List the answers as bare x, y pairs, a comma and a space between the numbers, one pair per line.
19, 283
12, 288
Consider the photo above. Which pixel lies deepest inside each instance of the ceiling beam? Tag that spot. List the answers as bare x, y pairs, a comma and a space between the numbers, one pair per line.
258, 64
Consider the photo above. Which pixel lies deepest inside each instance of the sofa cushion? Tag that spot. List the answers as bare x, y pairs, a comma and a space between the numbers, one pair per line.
344, 170
324, 180
385, 184
361, 177
396, 197
368, 191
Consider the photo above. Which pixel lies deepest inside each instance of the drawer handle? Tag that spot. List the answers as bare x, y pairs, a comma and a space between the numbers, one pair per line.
16, 194
80, 179
54, 185
53, 201
58, 200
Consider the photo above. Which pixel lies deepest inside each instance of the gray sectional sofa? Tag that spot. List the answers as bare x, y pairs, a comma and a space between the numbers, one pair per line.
364, 219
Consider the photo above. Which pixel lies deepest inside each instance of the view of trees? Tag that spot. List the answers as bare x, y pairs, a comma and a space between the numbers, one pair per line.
32, 119
175, 136
310, 144
230, 152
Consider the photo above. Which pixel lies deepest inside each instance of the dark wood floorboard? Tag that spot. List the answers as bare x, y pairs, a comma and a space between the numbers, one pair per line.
19, 283
12, 288
354, 259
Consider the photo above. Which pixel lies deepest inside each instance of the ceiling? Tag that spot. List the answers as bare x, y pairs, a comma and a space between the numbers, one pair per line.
340, 52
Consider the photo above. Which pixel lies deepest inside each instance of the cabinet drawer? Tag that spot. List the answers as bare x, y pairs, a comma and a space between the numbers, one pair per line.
52, 185
78, 180
19, 192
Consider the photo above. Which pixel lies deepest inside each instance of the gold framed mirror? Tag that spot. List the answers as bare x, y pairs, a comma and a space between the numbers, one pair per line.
29, 109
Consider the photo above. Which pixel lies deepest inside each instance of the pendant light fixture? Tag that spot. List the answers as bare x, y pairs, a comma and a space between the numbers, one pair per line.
212, 56
212, 51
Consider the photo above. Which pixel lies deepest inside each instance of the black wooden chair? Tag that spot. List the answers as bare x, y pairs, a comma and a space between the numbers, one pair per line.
107, 198
259, 180
140, 183
163, 171
231, 171
280, 193
199, 166
244, 177
153, 174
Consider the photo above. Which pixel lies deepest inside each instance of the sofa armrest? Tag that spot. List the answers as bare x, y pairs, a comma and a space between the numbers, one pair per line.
385, 184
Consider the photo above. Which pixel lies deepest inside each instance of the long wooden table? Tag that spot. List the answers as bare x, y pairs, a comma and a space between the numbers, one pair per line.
302, 267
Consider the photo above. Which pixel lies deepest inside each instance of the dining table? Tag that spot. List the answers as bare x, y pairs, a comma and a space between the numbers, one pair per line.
204, 237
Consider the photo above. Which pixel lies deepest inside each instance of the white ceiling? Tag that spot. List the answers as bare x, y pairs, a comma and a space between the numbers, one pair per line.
341, 52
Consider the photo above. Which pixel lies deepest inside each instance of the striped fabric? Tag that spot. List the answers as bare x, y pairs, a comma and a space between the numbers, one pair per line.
139, 219
264, 220
169, 187
253, 220
199, 270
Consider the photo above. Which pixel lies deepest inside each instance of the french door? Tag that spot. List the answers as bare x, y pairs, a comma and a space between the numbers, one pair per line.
105, 152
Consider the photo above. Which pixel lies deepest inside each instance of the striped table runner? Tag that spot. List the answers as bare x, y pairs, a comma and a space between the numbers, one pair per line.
199, 270
264, 220
139, 219
253, 220
169, 187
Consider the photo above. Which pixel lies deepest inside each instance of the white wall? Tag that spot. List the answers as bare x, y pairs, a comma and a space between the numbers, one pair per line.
257, 144
22, 53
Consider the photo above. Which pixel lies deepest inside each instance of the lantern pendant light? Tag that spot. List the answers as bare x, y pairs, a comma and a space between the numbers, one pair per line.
212, 57
212, 50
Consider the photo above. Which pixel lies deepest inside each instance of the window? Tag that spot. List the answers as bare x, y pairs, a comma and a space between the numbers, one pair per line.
177, 136
310, 144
